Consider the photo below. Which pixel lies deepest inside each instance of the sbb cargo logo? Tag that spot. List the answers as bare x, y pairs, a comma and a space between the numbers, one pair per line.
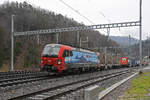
124, 60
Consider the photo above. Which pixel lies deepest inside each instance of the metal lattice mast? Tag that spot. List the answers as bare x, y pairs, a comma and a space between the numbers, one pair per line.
12, 42
140, 32
99, 26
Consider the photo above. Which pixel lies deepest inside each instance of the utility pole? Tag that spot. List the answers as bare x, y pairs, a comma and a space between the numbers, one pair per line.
38, 39
148, 52
57, 38
85, 42
108, 33
105, 56
129, 56
140, 31
80, 44
129, 44
12, 42
115, 51
112, 58
87, 38
78, 39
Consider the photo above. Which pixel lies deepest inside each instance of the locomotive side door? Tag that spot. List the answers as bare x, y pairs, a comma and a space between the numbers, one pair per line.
68, 56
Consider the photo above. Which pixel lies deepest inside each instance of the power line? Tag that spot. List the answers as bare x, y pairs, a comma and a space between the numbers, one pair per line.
109, 21
76, 11
79, 13
105, 17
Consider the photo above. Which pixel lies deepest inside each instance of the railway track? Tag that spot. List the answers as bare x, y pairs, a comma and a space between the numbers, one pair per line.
27, 77
15, 74
16, 81
57, 91
15, 78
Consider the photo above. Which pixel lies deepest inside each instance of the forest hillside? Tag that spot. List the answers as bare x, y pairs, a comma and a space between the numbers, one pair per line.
28, 48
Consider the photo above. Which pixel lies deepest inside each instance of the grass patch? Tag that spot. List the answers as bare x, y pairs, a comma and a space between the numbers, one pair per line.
140, 88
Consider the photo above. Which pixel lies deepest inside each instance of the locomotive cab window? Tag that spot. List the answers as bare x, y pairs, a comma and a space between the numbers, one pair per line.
51, 51
67, 53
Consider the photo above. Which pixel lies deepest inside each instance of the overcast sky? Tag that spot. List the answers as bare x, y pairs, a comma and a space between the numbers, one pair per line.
101, 12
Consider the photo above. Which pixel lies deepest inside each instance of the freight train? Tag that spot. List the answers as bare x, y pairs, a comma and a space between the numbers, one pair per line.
62, 58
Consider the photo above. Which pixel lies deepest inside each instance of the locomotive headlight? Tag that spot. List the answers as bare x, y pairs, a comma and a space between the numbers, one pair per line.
49, 61
59, 61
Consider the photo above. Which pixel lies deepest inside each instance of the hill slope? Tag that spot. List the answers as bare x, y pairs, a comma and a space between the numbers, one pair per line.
28, 18
124, 40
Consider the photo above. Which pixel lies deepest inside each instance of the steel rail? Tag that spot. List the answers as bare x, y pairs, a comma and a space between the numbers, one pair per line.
87, 82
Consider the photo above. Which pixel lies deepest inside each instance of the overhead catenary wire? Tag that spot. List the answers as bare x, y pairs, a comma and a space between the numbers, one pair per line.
101, 13
73, 10
77, 11
109, 21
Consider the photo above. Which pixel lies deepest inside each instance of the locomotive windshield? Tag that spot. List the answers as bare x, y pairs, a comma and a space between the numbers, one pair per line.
51, 51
